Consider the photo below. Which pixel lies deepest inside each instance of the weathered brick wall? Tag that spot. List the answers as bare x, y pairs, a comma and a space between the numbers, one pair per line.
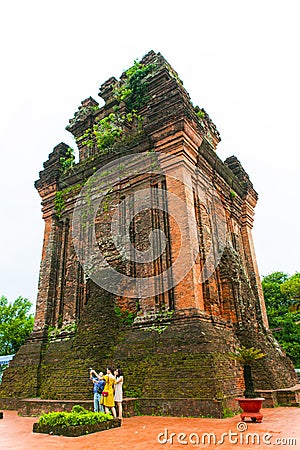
21, 378
188, 359
65, 364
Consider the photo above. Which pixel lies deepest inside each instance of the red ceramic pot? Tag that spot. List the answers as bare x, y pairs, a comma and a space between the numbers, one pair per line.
251, 405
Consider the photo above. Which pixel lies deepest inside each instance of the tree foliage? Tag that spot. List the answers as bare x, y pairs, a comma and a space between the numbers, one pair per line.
291, 288
16, 323
282, 297
246, 356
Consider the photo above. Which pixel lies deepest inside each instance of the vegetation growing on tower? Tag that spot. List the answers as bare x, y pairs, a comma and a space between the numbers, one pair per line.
132, 90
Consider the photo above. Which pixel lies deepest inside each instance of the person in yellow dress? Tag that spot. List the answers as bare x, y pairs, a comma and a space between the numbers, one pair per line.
107, 398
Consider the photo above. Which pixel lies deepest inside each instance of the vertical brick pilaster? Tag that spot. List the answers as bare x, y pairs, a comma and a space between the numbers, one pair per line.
47, 186
48, 275
178, 159
250, 257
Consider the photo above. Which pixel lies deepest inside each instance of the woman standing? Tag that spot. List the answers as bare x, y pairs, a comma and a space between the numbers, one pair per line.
119, 390
107, 399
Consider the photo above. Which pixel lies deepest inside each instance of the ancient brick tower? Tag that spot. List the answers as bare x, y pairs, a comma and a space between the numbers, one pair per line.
105, 298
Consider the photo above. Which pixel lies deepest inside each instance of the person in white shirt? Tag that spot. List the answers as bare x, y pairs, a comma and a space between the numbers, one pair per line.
119, 390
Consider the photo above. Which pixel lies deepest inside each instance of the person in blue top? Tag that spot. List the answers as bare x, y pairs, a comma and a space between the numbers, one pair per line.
98, 388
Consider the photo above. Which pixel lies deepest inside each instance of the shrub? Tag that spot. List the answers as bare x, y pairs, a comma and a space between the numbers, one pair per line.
78, 416
79, 409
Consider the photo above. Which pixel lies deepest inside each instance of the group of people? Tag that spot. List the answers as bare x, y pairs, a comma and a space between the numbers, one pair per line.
108, 390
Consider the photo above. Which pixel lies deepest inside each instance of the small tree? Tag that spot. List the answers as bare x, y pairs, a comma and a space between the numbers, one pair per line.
246, 357
282, 298
291, 288
16, 323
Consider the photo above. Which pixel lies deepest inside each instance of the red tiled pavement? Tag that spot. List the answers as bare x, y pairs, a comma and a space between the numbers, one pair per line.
141, 432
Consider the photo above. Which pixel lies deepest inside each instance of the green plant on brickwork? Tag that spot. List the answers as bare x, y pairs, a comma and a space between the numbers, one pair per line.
133, 392
158, 328
83, 113
133, 89
161, 319
126, 317
199, 112
109, 131
105, 133
59, 203
53, 333
70, 327
106, 202
61, 196
137, 406
67, 161
164, 313
159, 411
57, 332
174, 74
59, 321
95, 108
78, 416
233, 194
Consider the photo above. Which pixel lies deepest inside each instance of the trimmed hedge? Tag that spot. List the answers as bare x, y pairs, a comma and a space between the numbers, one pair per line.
77, 430
75, 423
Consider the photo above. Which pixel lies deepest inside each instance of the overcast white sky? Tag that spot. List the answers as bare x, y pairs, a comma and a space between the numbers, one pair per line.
238, 59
